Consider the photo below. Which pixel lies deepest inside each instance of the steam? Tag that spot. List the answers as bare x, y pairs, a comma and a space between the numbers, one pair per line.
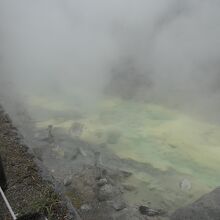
52, 46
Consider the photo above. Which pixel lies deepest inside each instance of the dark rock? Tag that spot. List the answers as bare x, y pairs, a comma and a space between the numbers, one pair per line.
3, 181
119, 204
82, 152
152, 212
143, 209
125, 173
128, 188
102, 182
106, 192
67, 181
206, 208
128, 214
35, 216
76, 153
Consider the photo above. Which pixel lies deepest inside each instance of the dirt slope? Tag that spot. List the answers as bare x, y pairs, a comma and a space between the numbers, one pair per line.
27, 191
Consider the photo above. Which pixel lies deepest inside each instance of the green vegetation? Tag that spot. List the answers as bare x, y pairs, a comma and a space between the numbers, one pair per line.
46, 203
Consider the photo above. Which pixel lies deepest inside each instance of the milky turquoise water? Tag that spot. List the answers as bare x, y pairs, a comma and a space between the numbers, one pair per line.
174, 146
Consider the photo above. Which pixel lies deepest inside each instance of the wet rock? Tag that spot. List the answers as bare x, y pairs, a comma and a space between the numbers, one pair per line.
36, 216
76, 153
145, 210
82, 152
49, 138
125, 173
106, 192
102, 182
128, 188
119, 204
67, 181
101, 173
153, 212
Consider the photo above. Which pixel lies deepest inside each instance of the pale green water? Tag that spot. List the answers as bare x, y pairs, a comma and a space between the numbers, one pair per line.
175, 145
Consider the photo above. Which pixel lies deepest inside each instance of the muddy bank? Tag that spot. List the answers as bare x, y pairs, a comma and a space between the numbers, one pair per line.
26, 190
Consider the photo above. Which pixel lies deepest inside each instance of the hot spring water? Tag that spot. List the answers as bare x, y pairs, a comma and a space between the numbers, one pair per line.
174, 157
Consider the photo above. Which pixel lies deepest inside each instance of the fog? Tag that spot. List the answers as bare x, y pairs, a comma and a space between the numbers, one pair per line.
53, 46
131, 88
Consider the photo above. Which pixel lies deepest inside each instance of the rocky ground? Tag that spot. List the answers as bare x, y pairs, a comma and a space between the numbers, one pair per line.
94, 189
94, 183
93, 179
27, 191
205, 208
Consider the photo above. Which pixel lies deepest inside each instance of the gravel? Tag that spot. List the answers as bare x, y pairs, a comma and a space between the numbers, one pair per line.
27, 191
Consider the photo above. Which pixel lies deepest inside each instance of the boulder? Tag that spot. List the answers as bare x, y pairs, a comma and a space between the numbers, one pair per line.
119, 204
67, 181
102, 182
206, 208
106, 192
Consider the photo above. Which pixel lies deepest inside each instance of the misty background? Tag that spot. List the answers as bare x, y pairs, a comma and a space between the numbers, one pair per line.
120, 84
157, 51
